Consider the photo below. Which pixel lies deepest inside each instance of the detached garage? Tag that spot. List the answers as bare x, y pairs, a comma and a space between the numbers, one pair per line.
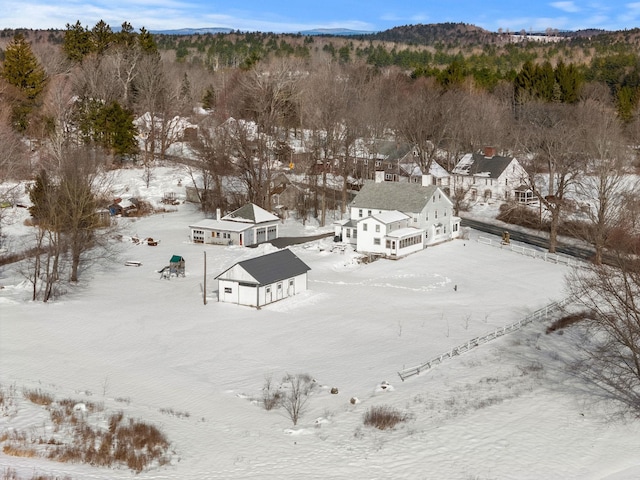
263, 280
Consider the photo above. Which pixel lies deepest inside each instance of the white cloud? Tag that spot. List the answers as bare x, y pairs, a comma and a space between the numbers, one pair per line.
569, 7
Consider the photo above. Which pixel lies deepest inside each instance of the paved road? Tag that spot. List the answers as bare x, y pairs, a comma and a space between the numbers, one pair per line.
287, 241
518, 236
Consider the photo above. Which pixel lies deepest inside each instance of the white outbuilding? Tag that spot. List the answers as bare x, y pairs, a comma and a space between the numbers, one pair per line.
263, 280
248, 225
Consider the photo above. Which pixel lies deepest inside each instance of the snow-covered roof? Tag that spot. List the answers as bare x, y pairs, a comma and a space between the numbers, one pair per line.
405, 232
211, 224
390, 217
250, 213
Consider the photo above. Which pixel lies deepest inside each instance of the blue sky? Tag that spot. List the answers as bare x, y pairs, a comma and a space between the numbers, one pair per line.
294, 16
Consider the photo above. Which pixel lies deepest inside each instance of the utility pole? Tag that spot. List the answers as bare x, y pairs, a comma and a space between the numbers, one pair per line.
204, 289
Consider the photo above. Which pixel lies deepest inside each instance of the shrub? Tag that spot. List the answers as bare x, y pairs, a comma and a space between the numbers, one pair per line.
383, 417
133, 443
38, 397
271, 395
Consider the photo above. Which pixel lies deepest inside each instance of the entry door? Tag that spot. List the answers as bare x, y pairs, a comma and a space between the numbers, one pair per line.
268, 296
291, 290
279, 293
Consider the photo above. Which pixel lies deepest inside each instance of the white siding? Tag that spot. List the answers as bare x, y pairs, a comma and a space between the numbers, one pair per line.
258, 296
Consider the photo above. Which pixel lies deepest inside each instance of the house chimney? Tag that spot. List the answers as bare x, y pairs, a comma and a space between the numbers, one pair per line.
489, 152
217, 214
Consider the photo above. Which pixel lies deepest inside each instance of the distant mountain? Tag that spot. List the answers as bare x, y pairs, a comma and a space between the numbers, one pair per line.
192, 31
336, 32
420, 34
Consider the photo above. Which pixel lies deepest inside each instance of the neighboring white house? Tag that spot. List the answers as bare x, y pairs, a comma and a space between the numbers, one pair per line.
248, 225
395, 219
488, 176
263, 280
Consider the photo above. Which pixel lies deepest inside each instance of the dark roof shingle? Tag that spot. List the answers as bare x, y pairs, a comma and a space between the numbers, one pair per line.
274, 267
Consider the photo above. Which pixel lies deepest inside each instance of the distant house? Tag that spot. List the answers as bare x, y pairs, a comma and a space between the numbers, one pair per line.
248, 225
395, 219
123, 207
487, 176
263, 280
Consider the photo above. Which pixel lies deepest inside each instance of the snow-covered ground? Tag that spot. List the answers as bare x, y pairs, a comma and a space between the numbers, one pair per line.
151, 348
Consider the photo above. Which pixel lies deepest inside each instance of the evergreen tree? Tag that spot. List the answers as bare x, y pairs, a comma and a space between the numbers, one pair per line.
146, 42
119, 130
569, 80
209, 98
77, 42
21, 68
544, 81
524, 82
126, 37
101, 37
41, 194
453, 75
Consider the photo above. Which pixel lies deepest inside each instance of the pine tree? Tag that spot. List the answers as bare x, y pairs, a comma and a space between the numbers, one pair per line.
22, 69
102, 37
209, 98
41, 195
77, 42
146, 42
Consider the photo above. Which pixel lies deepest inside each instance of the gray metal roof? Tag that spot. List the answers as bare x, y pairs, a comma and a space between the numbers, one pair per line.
274, 267
494, 166
404, 197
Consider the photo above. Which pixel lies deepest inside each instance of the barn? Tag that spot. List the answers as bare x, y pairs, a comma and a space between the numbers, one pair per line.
263, 280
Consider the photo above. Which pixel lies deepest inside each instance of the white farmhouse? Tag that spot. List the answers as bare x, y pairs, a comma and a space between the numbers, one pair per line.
395, 219
263, 280
488, 176
248, 225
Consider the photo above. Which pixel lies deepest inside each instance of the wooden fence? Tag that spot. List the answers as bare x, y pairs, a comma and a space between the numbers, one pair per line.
541, 314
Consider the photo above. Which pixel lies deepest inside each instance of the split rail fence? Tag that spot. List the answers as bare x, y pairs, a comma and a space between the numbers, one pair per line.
541, 314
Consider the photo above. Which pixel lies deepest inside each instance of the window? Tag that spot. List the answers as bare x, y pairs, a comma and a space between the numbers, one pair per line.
377, 228
348, 230
455, 227
364, 227
291, 283
368, 213
360, 213
228, 290
436, 214
376, 241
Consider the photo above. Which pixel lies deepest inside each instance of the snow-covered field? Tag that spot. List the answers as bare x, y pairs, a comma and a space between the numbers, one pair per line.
151, 348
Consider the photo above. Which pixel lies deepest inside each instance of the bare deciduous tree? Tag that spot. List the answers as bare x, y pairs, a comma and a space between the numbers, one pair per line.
552, 156
602, 187
297, 390
611, 297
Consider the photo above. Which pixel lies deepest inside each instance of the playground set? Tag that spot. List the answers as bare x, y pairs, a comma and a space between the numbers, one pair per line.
175, 268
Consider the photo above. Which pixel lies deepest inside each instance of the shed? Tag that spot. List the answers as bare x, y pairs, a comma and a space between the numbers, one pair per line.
263, 280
